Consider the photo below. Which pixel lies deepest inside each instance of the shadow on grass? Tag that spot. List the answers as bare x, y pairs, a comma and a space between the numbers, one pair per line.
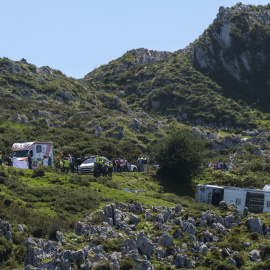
180, 187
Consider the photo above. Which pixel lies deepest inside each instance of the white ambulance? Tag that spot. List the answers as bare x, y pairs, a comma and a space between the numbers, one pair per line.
257, 201
37, 150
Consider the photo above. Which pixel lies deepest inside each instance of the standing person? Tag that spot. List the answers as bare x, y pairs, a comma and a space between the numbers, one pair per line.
96, 170
104, 169
140, 161
58, 163
99, 164
114, 165
145, 164
70, 160
9, 160
14, 161
1, 158
66, 165
61, 165
45, 161
125, 165
29, 160
118, 165
110, 169
49, 161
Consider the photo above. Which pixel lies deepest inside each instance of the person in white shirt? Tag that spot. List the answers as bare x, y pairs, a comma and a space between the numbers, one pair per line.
45, 161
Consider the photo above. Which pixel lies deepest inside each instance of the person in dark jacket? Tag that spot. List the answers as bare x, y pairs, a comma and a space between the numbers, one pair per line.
29, 159
9, 161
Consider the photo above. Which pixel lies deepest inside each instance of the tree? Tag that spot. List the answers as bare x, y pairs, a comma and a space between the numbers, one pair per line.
180, 157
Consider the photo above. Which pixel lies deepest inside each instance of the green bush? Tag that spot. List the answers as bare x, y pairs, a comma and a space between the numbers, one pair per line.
38, 172
127, 264
79, 180
102, 266
5, 249
97, 218
226, 266
240, 260
110, 245
254, 236
180, 157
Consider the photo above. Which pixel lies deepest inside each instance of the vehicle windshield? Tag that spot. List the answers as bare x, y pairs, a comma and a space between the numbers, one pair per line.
20, 153
90, 160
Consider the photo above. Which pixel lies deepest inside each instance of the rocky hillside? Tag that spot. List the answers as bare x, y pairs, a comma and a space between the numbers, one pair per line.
217, 81
234, 52
132, 236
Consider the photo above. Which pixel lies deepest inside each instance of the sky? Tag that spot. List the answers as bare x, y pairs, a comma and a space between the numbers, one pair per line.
77, 36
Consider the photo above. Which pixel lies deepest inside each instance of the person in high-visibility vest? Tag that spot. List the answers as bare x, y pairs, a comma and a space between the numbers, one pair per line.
66, 164
99, 165
1, 158
61, 164
110, 169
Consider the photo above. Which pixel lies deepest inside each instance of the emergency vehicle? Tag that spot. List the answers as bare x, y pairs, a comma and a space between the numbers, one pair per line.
37, 150
257, 201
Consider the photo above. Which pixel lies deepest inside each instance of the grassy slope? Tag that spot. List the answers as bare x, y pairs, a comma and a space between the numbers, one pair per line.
56, 201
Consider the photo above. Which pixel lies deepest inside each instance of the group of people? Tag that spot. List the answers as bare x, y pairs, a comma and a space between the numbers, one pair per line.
46, 161
222, 166
143, 164
115, 165
100, 167
120, 165
66, 164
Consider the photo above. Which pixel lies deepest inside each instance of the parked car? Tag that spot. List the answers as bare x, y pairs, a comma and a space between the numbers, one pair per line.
132, 167
78, 162
87, 167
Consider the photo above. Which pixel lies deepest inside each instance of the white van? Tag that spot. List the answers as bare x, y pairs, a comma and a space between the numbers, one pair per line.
37, 150
257, 201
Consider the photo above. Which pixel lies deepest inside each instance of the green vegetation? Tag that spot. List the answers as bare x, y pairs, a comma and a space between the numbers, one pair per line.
131, 107
180, 157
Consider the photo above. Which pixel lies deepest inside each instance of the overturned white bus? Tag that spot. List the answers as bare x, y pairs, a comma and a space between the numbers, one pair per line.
257, 201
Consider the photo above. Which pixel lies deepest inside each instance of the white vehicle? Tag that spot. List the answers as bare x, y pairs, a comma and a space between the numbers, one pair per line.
37, 150
87, 167
132, 168
257, 201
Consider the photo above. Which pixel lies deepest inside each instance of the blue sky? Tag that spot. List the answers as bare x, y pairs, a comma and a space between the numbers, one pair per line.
78, 36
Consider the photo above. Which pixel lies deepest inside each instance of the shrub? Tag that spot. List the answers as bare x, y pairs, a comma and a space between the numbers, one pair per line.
110, 245
180, 157
5, 249
97, 218
38, 172
240, 260
127, 264
79, 180
102, 266
224, 266
254, 236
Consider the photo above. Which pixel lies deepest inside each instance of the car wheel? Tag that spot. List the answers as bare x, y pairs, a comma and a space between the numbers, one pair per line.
135, 170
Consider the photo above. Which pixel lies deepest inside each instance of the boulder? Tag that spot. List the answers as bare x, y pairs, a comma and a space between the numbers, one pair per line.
160, 253
146, 265
145, 245
166, 240
254, 255
129, 245
135, 207
134, 219
255, 225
